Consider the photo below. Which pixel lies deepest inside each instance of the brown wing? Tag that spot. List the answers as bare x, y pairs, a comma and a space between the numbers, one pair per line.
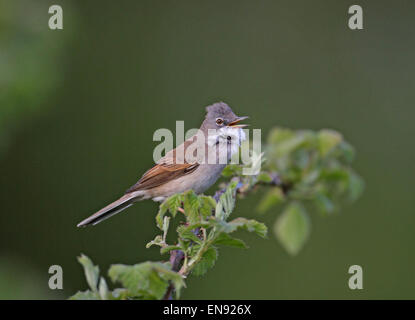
164, 171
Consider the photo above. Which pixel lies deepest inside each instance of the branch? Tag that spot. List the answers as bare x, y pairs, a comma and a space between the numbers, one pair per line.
177, 256
316, 172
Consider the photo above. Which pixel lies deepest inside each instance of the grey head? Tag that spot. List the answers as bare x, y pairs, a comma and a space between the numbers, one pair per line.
220, 115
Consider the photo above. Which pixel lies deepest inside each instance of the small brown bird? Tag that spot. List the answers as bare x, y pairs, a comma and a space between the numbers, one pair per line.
170, 176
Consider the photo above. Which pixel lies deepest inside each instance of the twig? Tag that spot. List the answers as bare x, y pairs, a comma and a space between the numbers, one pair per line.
176, 257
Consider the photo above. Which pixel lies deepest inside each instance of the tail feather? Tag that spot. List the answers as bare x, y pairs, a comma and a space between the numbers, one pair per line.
113, 208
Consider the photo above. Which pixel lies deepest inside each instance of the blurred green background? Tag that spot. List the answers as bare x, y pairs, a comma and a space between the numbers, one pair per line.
78, 108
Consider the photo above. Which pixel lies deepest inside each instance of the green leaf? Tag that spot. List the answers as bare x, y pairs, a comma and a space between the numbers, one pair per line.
120, 294
91, 272
173, 203
207, 205
253, 166
191, 204
187, 234
272, 198
301, 160
103, 289
264, 177
284, 142
227, 240
288, 146
170, 204
232, 170
347, 151
311, 177
147, 279
158, 241
176, 278
338, 174
241, 223
84, 295
292, 228
140, 280
160, 215
327, 140
166, 222
277, 135
208, 261
226, 202
324, 204
169, 248
202, 224
250, 225
184, 244
356, 186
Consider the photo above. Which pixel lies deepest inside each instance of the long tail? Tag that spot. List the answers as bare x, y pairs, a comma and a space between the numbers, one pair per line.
113, 208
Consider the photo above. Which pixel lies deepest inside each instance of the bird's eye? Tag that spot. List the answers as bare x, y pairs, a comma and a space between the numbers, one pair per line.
219, 121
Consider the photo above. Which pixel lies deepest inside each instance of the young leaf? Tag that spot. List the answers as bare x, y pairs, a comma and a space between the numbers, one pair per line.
171, 204
191, 205
278, 134
208, 261
120, 294
207, 205
347, 151
187, 234
226, 202
232, 170
253, 167
166, 222
202, 224
327, 140
264, 177
356, 186
166, 273
292, 228
158, 241
287, 146
140, 280
91, 272
85, 295
250, 225
103, 289
324, 204
273, 197
160, 215
335, 174
311, 177
169, 248
241, 223
227, 240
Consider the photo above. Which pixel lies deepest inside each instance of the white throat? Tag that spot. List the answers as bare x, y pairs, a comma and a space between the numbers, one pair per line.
227, 136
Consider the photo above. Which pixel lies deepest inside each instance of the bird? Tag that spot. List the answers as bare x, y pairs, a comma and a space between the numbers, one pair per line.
172, 175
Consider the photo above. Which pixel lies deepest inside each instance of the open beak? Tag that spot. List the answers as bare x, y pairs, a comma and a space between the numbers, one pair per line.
234, 123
